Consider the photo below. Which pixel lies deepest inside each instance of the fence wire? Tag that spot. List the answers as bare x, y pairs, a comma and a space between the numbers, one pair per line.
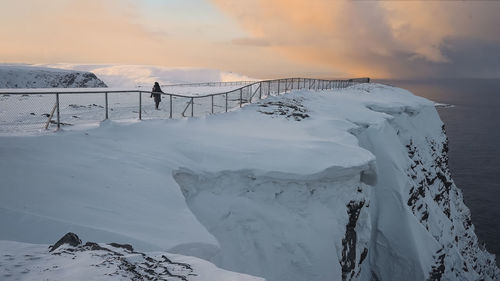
28, 111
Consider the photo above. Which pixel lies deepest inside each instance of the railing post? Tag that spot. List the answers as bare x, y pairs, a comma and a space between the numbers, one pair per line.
212, 104
106, 99
226, 102
241, 97
298, 81
279, 80
260, 90
140, 105
192, 107
58, 113
170, 107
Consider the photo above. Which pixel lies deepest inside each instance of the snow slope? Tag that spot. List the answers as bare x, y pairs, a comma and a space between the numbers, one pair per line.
132, 76
93, 261
28, 76
348, 184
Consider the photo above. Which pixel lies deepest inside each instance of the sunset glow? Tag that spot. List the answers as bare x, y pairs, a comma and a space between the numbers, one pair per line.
261, 38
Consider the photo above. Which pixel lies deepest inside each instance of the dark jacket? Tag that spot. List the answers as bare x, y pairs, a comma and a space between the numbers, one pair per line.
156, 92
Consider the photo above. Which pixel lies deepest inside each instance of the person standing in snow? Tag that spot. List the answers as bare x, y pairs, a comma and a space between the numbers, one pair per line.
156, 93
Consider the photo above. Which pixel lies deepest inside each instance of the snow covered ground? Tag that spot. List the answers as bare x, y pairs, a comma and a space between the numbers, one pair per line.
93, 261
28, 114
348, 184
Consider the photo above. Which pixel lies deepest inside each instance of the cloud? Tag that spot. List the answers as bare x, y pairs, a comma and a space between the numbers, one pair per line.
115, 31
259, 42
377, 38
68, 30
272, 38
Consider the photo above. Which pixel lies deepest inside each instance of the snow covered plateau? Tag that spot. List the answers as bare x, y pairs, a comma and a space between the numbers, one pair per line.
28, 76
348, 184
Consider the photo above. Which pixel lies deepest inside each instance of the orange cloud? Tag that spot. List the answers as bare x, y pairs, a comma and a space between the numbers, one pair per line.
111, 31
73, 30
274, 38
377, 38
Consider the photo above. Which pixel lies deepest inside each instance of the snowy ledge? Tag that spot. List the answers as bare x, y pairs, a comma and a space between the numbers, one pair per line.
119, 162
301, 133
175, 184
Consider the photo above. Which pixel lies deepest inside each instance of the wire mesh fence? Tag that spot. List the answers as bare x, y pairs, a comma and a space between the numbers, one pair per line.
27, 111
210, 84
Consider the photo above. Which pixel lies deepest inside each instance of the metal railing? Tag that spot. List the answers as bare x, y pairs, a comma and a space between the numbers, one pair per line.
40, 108
210, 84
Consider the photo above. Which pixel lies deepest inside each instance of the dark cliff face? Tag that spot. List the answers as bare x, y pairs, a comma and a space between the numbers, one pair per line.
432, 185
349, 242
415, 168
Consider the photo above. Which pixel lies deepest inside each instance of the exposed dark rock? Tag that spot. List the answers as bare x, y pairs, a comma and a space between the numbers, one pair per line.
69, 238
61, 123
348, 261
289, 108
92, 246
438, 268
124, 246
363, 256
143, 267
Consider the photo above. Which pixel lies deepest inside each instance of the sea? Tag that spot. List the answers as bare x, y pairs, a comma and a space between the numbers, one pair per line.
472, 124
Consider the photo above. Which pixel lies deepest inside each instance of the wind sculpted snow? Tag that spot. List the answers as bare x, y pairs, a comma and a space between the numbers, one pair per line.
258, 191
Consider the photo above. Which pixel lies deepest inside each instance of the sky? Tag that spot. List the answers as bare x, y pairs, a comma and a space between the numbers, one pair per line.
261, 38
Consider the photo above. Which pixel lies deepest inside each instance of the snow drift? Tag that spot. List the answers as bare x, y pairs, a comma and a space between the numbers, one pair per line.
348, 184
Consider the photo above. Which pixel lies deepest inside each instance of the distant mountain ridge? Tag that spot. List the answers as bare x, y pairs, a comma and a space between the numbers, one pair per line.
134, 76
25, 76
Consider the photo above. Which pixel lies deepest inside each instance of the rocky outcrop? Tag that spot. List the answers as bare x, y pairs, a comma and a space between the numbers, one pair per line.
122, 257
69, 238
